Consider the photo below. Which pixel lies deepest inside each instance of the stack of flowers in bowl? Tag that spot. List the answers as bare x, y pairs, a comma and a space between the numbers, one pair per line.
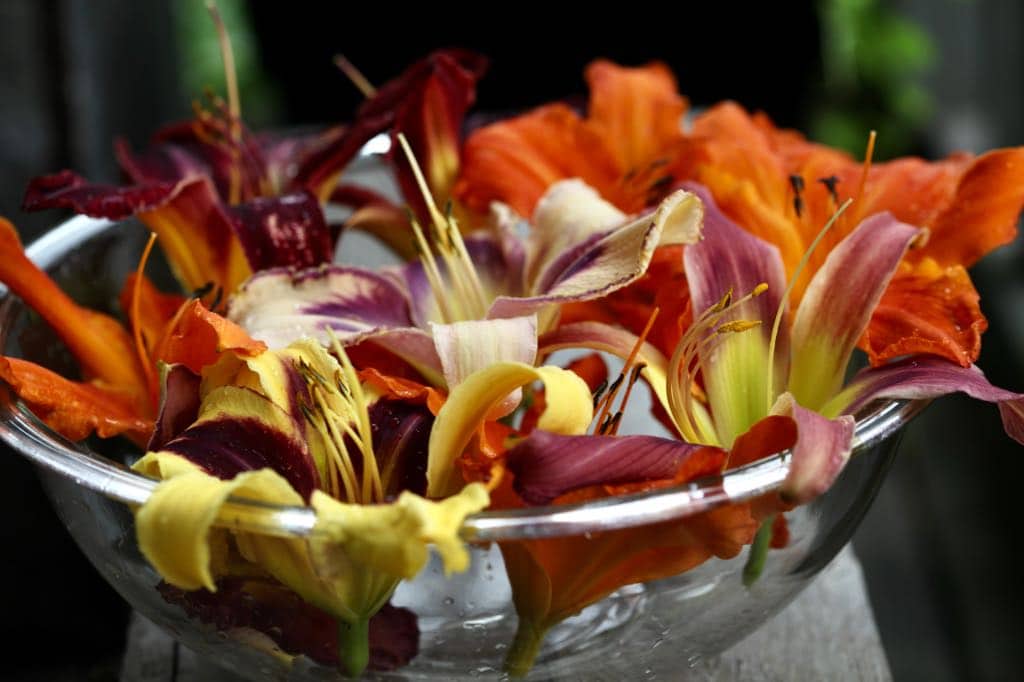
458, 430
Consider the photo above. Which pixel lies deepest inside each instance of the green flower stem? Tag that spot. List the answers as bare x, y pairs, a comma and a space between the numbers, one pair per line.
354, 646
758, 552
524, 649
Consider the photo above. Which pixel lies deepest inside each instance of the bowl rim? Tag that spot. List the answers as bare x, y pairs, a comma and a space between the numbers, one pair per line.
21, 430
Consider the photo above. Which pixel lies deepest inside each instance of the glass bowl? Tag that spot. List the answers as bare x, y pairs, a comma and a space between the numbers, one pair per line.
467, 622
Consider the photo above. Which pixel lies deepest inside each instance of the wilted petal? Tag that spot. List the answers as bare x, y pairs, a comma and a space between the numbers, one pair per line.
67, 189
927, 309
822, 447
547, 465
567, 219
838, 304
74, 409
604, 264
569, 411
174, 525
729, 259
923, 378
466, 347
285, 231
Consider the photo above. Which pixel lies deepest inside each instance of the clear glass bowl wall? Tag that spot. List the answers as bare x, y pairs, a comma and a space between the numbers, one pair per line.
468, 621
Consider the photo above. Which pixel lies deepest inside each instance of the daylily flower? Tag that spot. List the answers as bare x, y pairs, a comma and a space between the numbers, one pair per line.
296, 427
224, 202
633, 126
120, 365
774, 184
477, 301
772, 385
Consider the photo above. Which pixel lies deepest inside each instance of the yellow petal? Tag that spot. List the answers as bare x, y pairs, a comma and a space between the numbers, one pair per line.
175, 525
569, 411
391, 539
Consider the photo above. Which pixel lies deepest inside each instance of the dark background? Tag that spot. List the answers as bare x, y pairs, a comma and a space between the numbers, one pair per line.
939, 548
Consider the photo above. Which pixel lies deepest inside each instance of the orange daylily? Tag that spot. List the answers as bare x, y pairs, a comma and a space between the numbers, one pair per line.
775, 184
555, 578
969, 205
632, 128
120, 392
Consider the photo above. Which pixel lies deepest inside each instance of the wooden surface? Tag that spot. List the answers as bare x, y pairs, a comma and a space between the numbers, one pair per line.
827, 633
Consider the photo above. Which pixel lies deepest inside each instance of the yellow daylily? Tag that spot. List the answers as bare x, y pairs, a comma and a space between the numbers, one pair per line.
361, 546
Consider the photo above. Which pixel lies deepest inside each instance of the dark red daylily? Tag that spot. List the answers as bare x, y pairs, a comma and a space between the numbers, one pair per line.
427, 104
261, 604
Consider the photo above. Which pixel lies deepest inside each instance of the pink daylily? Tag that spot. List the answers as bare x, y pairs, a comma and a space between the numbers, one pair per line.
450, 315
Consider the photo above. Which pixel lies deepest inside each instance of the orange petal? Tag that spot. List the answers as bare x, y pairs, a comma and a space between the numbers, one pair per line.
926, 309
984, 211
99, 343
515, 161
155, 308
637, 111
404, 389
197, 337
766, 437
74, 409
198, 237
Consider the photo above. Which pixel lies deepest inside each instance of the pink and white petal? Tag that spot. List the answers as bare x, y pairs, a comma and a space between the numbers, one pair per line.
730, 259
547, 465
279, 306
570, 214
923, 378
838, 305
610, 261
466, 347
821, 451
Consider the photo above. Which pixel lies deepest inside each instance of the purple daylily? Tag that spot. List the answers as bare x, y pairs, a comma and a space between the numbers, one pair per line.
755, 364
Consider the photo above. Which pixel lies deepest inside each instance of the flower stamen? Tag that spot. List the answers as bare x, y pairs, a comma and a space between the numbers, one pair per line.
354, 75
469, 302
602, 405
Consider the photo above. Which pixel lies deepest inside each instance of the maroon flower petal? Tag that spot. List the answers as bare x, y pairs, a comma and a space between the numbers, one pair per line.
401, 434
67, 189
285, 231
296, 627
929, 377
226, 444
179, 406
547, 465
